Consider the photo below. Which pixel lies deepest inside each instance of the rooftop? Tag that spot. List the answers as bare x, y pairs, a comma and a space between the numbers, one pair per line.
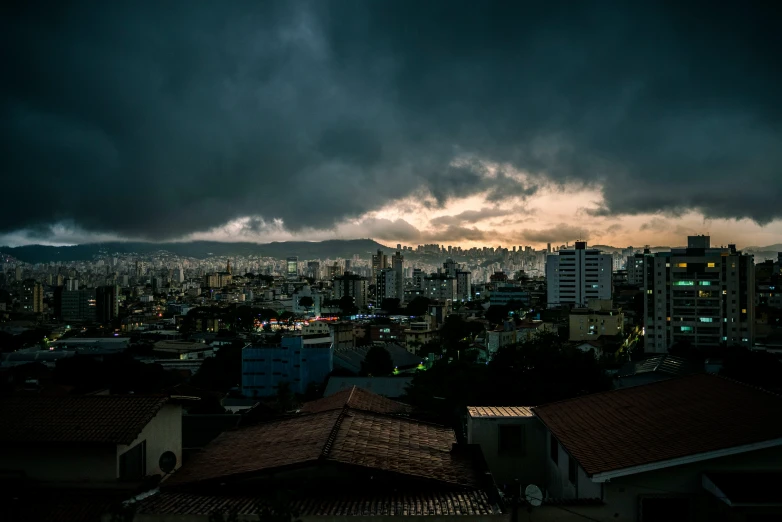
340, 504
111, 419
499, 412
377, 442
358, 399
665, 420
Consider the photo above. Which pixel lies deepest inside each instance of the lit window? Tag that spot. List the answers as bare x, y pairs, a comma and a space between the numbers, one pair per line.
681, 265
724, 292
668, 319
706, 319
650, 291
684, 283
686, 328
743, 310
711, 265
704, 283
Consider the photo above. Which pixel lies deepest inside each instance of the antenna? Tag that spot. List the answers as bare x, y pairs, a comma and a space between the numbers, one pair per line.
534, 495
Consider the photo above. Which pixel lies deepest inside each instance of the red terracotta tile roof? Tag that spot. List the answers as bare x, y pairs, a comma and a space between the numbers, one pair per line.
352, 437
84, 419
457, 502
660, 421
357, 399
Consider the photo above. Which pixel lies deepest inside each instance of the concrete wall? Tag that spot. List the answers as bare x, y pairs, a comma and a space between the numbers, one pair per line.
163, 433
62, 464
557, 482
528, 467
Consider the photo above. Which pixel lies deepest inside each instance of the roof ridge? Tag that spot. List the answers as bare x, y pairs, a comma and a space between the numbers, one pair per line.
324, 453
350, 395
746, 385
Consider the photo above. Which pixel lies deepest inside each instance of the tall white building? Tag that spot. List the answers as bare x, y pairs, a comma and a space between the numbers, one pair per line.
385, 285
699, 295
576, 275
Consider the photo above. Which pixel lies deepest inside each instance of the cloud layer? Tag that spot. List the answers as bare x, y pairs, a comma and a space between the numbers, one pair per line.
156, 121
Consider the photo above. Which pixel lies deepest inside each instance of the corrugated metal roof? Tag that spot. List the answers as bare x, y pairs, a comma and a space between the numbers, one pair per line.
498, 412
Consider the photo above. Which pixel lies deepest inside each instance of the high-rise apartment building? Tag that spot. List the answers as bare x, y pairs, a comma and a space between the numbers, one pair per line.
397, 264
351, 285
576, 275
379, 262
106, 303
441, 287
635, 269
699, 295
385, 285
313, 269
32, 296
292, 267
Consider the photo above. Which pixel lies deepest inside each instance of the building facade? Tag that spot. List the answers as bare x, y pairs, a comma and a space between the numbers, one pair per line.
351, 285
298, 360
574, 276
699, 295
32, 296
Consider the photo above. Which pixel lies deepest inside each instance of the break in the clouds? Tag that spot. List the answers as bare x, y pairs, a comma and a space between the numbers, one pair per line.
161, 120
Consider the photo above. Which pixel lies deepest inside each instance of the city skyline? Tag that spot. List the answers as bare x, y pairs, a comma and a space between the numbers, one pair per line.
315, 120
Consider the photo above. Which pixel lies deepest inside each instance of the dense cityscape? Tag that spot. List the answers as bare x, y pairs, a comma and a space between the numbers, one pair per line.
390, 260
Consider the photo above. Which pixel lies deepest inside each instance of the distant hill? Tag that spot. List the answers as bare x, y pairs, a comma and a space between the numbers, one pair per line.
333, 248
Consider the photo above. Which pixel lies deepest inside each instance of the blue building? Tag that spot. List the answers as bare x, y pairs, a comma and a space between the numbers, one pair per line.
298, 360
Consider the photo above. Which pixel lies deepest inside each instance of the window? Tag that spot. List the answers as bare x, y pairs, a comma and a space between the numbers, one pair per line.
664, 509
684, 283
511, 439
710, 265
572, 470
133, 463
554, 449
681, 265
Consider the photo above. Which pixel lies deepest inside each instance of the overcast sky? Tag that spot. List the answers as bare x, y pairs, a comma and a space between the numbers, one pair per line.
454, 122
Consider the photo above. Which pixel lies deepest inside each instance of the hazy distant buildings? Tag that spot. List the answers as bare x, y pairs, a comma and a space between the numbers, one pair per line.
574, 276
699, 296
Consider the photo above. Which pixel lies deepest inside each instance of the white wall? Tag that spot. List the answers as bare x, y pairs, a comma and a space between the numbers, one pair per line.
527, 468
163, 433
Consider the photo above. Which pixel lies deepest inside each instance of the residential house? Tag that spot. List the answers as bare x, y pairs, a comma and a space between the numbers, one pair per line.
358, 399
695, 448
336, 464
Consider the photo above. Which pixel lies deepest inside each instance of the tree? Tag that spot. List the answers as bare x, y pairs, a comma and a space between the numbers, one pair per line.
306, 301
418, 306
347, 305
390, 305
496, 314
377, 362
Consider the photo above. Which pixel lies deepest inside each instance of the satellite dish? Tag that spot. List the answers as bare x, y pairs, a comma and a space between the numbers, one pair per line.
167, 462
534, 495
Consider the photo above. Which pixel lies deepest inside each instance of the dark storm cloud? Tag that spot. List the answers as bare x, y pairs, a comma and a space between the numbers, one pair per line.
158, 119
558, 233
473, 216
